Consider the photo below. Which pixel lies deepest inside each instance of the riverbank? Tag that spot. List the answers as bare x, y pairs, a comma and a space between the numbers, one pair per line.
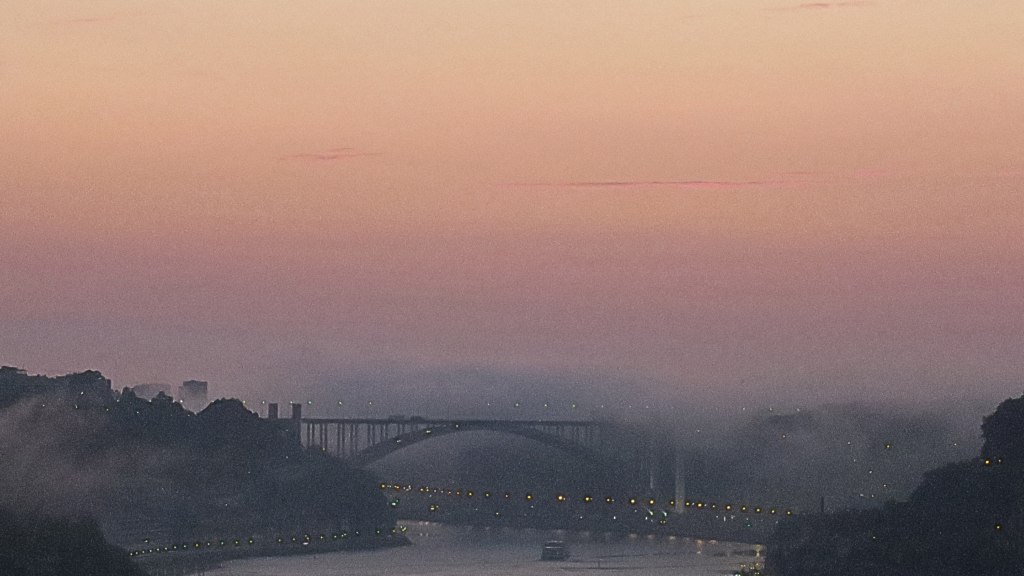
181, 559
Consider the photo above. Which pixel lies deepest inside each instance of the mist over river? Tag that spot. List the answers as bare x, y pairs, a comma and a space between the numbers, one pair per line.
456, 551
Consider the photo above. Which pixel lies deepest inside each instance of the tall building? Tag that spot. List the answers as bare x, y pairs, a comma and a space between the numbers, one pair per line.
193, 395
149, 391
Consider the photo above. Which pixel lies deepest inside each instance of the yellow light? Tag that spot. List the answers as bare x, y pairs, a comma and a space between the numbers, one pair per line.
561, 497
529, 496
587, 498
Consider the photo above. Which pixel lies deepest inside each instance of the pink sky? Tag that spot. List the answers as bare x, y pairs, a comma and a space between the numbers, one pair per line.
716, 198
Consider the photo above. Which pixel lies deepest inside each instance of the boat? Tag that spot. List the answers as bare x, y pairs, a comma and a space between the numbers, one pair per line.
554, 550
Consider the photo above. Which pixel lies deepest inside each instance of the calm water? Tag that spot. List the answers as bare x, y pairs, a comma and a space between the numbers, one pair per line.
459, 551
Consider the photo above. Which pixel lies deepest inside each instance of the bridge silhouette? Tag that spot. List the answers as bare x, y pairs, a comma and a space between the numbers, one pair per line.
639, 457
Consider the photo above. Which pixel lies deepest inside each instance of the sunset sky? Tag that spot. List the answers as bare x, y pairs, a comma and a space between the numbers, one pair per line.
712, 199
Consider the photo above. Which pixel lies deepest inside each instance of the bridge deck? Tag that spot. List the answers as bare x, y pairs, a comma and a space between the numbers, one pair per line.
446, 421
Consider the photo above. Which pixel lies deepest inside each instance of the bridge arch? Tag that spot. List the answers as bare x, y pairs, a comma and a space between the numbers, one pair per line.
393, 444
629, 455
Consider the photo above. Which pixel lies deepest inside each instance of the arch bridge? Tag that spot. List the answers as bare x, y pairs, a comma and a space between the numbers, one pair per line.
362, 441
641, 458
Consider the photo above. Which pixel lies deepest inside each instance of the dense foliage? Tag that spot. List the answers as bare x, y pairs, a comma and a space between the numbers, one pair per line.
152, 470
38, 546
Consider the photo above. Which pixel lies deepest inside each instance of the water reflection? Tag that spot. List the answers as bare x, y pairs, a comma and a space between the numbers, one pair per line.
464, 551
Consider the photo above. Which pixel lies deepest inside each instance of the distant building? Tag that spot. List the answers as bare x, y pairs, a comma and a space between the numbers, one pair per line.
193, 395
149, 391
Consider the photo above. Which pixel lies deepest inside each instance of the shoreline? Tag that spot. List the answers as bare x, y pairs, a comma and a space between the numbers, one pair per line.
175, 560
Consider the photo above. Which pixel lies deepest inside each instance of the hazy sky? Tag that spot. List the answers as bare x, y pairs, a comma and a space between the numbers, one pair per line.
719, 199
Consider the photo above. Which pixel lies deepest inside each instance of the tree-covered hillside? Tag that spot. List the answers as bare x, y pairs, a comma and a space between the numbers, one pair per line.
964, 519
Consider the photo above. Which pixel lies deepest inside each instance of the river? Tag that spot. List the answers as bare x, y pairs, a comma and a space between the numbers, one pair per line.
462, 551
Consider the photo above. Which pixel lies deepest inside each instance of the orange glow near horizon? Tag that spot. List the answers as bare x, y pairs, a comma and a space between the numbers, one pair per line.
738, 198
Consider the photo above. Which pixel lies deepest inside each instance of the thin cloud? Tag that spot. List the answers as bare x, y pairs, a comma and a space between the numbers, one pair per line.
672, 184
871, 173
85, 20
825, 5
95, 19
330, 155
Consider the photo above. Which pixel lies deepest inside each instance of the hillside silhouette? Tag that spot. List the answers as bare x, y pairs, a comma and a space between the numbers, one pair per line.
964, 519
152, 471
